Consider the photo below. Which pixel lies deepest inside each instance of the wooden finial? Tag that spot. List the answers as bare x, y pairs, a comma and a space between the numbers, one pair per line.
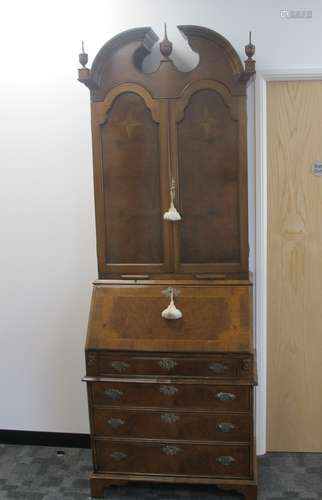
250, 48
83, 57
83, 73
165, 45
250, 51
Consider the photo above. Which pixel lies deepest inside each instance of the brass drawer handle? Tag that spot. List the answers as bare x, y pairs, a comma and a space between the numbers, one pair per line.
169, 418
168, 390
226, 460
118, 456
218, 368
226, 427
115, 423
120, 366
171, 450
167, 363
226, 396
114, 394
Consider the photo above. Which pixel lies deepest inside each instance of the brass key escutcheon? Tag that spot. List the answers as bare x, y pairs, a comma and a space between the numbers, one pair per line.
171, 450
168, 390
167, 363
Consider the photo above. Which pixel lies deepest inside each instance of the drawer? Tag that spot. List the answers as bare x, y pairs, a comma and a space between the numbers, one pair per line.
174, 424
172, 458
217, 366
172, 395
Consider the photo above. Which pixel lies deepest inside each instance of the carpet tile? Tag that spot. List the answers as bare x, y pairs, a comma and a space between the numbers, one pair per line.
39, 473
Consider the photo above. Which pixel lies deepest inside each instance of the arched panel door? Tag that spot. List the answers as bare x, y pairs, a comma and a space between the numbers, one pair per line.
210, 177
131, 204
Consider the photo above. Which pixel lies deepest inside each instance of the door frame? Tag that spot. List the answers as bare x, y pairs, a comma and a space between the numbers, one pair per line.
260, 281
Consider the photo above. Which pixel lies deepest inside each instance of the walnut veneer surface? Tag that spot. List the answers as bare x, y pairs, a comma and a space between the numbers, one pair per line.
171, 398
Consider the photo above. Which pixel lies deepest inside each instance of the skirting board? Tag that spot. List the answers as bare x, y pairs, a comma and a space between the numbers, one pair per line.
56, 439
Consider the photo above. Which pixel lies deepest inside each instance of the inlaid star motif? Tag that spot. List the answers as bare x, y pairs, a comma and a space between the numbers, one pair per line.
130, 124
207, 122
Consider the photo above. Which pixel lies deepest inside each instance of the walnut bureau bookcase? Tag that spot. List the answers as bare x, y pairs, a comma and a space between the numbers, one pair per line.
170, 362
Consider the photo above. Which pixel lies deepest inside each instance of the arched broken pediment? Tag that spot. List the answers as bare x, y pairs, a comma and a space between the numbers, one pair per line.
121, 59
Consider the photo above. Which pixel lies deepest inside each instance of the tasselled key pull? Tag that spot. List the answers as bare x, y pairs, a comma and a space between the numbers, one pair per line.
171, 312
172, 214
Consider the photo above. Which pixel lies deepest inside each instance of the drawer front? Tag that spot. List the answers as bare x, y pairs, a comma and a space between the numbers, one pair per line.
172, 395
174, 424
172, 458
216, 366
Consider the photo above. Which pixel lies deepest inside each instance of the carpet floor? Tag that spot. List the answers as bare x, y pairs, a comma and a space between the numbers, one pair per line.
39, 473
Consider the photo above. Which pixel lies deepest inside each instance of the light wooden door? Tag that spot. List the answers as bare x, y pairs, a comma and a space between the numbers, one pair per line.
294, 267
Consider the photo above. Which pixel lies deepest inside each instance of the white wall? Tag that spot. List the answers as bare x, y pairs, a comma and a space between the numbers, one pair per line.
47, 213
